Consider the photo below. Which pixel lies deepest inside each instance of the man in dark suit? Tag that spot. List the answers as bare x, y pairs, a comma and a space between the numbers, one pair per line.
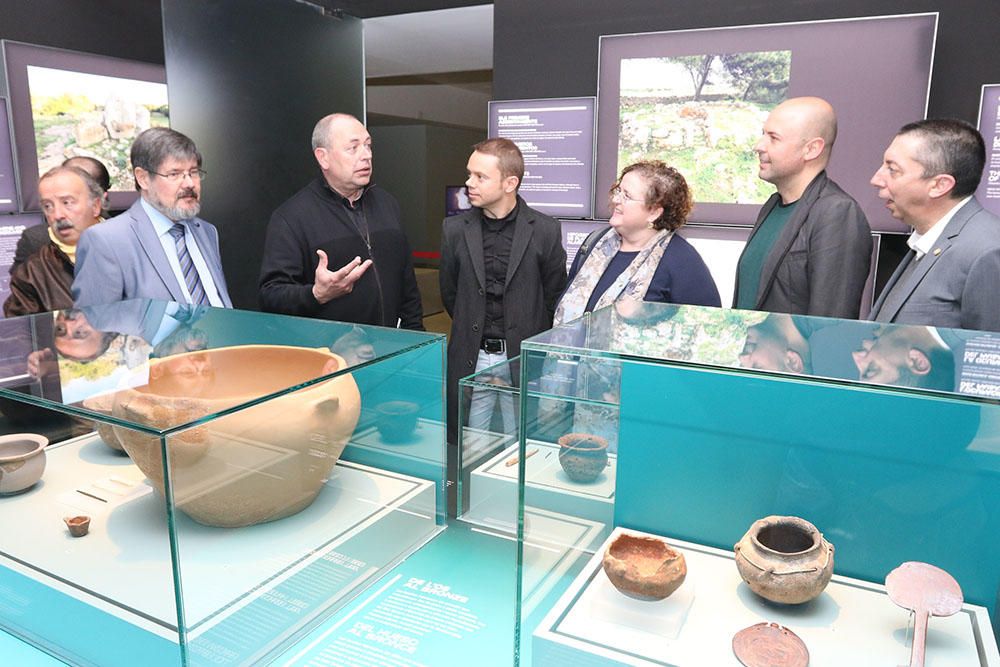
810, 249
503, 268
158, 248
951, 275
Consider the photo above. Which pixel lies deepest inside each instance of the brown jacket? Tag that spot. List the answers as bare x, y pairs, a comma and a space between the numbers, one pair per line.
40, 284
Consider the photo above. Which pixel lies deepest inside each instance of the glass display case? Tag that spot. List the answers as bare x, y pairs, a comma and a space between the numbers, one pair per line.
249, 475
647, 431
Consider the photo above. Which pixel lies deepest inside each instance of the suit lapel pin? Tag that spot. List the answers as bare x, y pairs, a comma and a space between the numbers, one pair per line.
937, 251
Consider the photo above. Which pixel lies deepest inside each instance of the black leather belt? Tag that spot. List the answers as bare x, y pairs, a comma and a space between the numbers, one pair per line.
494, 345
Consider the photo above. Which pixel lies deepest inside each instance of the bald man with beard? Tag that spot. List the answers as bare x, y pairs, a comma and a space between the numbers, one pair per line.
810, 249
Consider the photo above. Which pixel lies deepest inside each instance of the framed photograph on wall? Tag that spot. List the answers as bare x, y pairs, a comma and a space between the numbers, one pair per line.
67, 103
697, 99
8, 182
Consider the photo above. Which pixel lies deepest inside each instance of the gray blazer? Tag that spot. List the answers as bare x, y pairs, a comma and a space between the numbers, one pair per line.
820, 262
536, 276
957, 284
122, 258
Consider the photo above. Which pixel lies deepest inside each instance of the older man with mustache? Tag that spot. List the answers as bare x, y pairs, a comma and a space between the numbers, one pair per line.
158, 248
71, 202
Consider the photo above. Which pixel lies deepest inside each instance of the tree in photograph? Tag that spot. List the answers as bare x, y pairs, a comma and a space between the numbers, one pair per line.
762, 75
698, 67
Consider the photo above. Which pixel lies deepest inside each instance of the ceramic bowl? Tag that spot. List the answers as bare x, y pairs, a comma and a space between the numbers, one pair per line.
396, 420
582, 456
645, 568
257, 464
22, 461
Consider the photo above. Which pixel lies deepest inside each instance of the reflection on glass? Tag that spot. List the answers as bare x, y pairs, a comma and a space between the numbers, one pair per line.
906, 356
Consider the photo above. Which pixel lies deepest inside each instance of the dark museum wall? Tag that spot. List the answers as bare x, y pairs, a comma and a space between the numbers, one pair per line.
549, 49
130, 29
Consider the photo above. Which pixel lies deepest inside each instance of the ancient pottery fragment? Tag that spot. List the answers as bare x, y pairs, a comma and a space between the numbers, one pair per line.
769, 645
785, 559
582, 456
396, 420
645, 568
927, 591
78, 525
258, 464
22, 461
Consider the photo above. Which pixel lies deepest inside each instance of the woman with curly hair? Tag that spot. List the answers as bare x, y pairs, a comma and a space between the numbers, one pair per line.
639, 257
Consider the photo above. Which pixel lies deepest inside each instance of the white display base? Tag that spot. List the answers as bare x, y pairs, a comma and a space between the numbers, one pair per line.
124, 567
493, 493
852, 623
553, 543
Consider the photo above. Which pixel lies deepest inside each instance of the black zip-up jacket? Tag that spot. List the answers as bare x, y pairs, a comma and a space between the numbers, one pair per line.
317, 218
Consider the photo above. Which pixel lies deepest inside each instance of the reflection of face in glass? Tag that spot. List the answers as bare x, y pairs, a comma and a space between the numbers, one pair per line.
190, 375
354, 347
776, 344
905, 356
76, 339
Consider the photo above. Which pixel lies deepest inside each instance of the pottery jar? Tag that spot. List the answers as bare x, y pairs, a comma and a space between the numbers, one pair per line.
396, 420
22, 461
645, 568
582, 456
785, 559
257, 464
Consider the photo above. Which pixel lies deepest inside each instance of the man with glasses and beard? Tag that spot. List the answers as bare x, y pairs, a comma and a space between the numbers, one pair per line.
158, 248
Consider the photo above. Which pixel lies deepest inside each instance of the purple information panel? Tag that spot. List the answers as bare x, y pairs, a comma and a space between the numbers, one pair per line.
989, 125
556, 137
8, 188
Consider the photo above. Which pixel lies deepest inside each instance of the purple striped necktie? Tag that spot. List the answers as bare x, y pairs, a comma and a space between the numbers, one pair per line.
188, 269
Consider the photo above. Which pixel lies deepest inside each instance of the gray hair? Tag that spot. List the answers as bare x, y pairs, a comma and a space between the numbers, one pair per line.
151, 148
95, 190
322, 130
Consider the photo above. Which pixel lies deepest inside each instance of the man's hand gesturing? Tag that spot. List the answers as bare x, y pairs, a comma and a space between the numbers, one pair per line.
332, 284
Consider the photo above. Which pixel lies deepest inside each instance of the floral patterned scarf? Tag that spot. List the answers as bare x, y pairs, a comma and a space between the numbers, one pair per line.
633, 283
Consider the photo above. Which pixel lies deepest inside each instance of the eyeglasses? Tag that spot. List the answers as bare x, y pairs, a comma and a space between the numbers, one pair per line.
618, 193
177, 176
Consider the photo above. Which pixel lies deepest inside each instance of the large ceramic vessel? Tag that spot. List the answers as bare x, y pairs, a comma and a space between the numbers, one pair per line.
22, 461
785, 559
254, 465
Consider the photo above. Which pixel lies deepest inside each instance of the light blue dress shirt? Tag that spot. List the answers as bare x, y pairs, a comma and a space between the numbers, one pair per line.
162, 225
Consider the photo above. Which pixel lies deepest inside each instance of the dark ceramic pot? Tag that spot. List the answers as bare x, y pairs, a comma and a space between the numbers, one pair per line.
582, 456
396, 420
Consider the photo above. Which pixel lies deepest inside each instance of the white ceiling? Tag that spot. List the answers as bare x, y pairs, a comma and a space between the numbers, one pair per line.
447, 40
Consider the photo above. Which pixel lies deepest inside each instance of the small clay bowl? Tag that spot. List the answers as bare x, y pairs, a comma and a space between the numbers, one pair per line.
22, 461
396, 420
644, 568
583, 457
78, 525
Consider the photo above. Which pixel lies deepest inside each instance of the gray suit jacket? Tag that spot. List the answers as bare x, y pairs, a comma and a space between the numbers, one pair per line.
957, 284
536, 276
122, 258
819, 263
